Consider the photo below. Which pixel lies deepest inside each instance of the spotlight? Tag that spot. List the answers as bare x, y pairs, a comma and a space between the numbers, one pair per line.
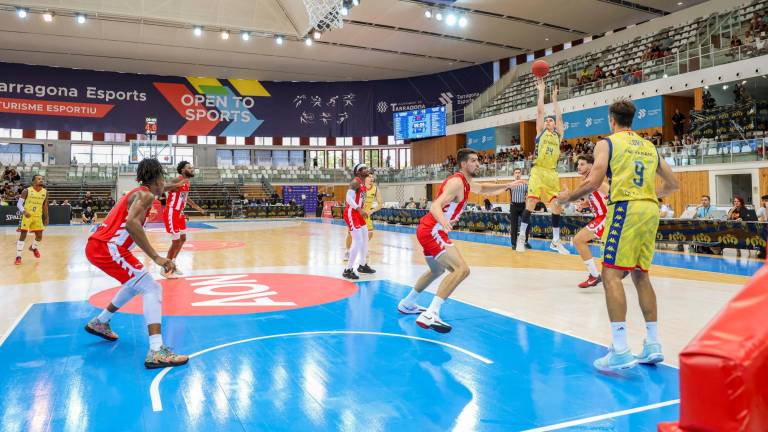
344, 11
308, 41
279, 40
439, 16
428, 13
80, 18
21, 12
450, 19
706, 87
316, 35
245, 35
463, 22
48, 17
744, 82
725, 87
224, 34
198, 31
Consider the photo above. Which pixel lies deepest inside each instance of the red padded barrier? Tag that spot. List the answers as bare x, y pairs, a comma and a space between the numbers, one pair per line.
724, 369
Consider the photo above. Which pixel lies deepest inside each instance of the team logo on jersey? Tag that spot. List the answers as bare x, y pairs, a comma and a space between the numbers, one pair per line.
239, 293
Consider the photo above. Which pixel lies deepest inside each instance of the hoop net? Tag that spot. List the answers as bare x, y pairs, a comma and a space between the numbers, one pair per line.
324, 15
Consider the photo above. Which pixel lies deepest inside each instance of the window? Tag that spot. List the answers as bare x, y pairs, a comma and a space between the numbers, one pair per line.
343, 141
264, 158
389, 158
392, 141
10, 154
297, 158
372, 158
352, 157
404, 160
101, 154
32, 153
291, 141
87, 136
76, 136
81, 153
120, 154
317, 158
371, 141
529, 58
224, 158
318, 141
335, 159
184, 153
181, 139
280, 158
242, 157
263, 141
41, 134
548, 51
5, 133
202, 139
17, 133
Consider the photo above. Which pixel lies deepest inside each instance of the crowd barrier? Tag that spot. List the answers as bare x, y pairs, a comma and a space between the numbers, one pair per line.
731, 234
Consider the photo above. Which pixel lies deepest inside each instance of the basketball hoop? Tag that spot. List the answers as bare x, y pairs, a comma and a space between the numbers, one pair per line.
324, 15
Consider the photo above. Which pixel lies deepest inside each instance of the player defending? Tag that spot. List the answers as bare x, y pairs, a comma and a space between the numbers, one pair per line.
33, 206
109, 249
173, 213
372, 197
594, 229
631, 163
432, 234
544, 183
355, 216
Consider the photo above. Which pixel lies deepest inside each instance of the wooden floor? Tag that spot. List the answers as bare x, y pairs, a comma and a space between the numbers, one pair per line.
538, 287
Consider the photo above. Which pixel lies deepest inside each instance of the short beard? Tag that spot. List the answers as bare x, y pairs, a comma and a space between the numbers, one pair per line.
189, 175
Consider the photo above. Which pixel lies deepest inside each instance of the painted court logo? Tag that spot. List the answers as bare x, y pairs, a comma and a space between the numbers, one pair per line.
243, 293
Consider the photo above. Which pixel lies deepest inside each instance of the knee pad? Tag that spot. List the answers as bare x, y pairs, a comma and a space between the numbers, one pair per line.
152, 294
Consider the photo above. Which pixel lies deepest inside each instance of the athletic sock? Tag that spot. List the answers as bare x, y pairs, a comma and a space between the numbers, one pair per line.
34, 244
590, 263
434, 307
411, 297
521, 234
155, 342
105, 316
619, 334
652, 328
19, 247
555, 235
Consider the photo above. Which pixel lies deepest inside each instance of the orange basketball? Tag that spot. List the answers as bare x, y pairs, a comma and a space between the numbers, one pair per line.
540, 68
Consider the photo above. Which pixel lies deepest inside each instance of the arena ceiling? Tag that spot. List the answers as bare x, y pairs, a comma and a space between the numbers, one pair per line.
380, 38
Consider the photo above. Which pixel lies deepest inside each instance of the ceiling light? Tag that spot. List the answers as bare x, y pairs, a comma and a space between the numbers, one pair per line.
706, 87
21, 12
450, 19
80, 18
428, 13
725, 87
679, 3
344, 11
744, 82
439, 16
245, 35
224, 34
48, 17
308, 41
198, 31
279, 40
316, 34
463, 22
355, 2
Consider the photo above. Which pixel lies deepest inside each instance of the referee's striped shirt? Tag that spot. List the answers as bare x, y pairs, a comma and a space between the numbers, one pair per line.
519, 193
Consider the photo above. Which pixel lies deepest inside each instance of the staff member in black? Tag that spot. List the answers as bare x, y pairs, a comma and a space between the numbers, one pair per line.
516, 207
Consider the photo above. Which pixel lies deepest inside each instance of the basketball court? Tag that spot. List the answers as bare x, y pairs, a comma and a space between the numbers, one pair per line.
280, 342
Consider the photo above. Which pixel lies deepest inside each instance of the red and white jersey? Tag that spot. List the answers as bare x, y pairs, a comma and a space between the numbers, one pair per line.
112, 230
452, 210
597, 203
177, 200
359, 194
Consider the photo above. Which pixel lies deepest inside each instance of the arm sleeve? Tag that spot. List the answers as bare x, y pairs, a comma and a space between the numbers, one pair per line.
20, 204
351, 199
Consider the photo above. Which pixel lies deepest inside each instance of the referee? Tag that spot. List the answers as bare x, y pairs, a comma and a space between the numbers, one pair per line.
516, 207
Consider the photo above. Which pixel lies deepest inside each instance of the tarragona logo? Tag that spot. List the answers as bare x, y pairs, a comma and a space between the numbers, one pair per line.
213, 103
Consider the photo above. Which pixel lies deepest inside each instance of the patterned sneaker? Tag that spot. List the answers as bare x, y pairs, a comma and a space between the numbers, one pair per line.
365, 269
433, 321
350, 274
164, 358
591, 281
409, 309
35, 251
558, 246
651, 353
100, 329
168, 274
18, 261
614, 361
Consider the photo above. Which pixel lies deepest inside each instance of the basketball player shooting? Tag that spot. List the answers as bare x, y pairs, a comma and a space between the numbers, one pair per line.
439, 252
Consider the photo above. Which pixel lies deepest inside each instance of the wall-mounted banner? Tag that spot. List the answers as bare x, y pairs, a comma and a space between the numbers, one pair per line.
482, 140
41, 97
594, 121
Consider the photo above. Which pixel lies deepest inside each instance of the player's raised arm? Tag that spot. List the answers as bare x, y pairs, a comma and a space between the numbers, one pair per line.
558, 112
541, 86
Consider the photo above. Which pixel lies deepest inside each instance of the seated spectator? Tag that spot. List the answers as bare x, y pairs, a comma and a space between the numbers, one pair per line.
487, 205
540, 207
583, 76
423, 203
66, 203
704, 210
411, 204
762, 211
739, 212
665, 211
54, 203
111, 202
87, 201
597, 74
88, 215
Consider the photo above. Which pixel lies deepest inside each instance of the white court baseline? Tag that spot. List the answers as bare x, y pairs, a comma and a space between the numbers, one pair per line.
154, 388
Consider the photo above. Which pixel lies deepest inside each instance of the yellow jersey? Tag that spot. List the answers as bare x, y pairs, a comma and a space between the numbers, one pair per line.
34, 202
632, 165
547, 150
370, 198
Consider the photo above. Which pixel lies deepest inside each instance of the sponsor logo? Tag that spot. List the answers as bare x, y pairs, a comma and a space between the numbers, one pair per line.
382, 107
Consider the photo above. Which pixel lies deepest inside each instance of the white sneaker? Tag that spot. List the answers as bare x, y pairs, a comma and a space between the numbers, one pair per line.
428, 320
178, 272
409, 309
520, 246
558, 246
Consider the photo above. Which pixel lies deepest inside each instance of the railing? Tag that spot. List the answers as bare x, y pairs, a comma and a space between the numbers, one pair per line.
675, 64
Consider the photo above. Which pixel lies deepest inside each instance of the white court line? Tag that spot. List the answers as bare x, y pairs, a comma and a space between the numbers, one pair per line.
154, 388
15, 323
603, 416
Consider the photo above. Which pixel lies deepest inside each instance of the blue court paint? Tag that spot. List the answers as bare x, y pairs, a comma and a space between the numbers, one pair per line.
716, 264
58, 377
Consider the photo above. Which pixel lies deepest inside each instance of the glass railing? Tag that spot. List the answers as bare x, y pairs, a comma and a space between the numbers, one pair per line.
664, 67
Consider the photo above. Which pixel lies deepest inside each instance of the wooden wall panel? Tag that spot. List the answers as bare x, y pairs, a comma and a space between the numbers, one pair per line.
763, 181
698, 98
684, 104
693, 184
528, 136
436, 150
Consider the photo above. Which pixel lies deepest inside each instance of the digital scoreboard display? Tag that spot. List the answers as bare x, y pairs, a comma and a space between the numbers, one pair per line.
423, 123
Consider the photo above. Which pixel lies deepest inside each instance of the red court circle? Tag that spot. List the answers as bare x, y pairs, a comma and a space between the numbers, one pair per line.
238, 293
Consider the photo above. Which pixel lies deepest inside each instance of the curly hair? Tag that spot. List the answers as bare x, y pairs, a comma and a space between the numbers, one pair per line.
181, 166
149, 171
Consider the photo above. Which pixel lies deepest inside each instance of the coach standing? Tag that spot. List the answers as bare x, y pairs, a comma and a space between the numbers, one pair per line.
516, 207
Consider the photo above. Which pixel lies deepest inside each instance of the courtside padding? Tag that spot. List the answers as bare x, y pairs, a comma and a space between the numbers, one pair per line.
724, 369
